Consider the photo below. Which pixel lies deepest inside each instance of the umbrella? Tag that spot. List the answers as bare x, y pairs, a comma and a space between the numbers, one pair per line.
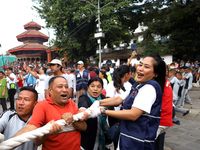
6, 60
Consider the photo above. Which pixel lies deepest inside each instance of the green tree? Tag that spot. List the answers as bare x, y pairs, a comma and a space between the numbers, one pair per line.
74, 24
178, 22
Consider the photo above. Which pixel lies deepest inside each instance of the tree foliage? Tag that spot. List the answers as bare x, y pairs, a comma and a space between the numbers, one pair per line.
75, 24
178, 21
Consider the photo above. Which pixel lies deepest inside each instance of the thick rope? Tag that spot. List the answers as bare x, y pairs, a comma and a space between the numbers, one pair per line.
25, 137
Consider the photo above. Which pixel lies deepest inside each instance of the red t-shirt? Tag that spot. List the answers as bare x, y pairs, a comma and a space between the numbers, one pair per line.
167, 106
20, 83
93, 74
47, 110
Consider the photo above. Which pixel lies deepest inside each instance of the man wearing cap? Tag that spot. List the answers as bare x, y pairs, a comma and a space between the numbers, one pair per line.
80, 80
56, 69
31, 81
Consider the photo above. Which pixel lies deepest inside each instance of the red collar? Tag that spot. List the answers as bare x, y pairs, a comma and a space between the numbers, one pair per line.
50, 101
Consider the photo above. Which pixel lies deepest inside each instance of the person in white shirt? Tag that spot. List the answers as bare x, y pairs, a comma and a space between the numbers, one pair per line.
56, 70
40, 82
118, 86
111, 70
103, 76
70, 72
11, 79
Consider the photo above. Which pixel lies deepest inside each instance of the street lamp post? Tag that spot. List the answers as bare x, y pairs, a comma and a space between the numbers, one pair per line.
99, 34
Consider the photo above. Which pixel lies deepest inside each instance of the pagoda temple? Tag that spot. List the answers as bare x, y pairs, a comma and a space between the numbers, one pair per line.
32, 49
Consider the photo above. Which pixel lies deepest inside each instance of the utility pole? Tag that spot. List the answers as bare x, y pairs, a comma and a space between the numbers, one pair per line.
99, 33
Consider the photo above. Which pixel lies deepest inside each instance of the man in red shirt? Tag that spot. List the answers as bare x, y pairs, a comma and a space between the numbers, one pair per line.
92, 73
166, 115
56, 106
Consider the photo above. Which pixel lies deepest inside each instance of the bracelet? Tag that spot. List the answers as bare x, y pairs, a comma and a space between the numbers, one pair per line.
104, 113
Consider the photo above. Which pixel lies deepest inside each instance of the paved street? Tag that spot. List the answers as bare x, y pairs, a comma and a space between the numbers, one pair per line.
187, 135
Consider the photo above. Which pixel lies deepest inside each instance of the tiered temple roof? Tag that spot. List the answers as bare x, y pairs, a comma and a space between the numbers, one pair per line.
33, 40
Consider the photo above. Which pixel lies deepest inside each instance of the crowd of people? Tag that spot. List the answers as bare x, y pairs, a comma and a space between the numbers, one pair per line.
141, 98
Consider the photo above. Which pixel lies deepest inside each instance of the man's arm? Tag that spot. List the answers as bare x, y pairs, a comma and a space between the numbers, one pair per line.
27, 128
55, 128
11, 78
80, 125
33, 74
4, 90
132, 56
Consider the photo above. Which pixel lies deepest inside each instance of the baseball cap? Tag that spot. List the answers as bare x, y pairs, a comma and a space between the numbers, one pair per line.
30, 66
80, 62
55, 61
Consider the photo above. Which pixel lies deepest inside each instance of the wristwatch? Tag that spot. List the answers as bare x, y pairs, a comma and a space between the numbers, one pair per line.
104, 113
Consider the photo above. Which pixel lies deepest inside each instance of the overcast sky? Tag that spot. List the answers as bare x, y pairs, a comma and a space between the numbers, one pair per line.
14, 14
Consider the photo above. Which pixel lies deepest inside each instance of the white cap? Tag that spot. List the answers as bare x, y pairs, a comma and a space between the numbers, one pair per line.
55, 61
80, 62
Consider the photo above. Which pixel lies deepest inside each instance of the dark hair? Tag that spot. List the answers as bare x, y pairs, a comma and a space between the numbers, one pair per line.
104, 75
95, 79
118, 74
91, 68
9, 69
103, 67
45, 69
72, 71
159, 69
178, 73
53, 78
107, 69
2, 72
23, 70
133, 70
187, 68
60, 67
27, 88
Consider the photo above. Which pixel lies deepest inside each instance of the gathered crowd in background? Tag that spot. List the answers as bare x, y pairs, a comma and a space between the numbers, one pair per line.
132, 92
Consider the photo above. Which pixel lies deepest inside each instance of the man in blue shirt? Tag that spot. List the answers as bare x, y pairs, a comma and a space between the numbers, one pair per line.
31, 81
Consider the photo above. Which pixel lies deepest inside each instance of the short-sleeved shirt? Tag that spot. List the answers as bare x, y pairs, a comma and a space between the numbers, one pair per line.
166, 109
145, 98
3, 84
10, 124
12, 75
111, 91
66, 76
40, 83
93, 74
47, 110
